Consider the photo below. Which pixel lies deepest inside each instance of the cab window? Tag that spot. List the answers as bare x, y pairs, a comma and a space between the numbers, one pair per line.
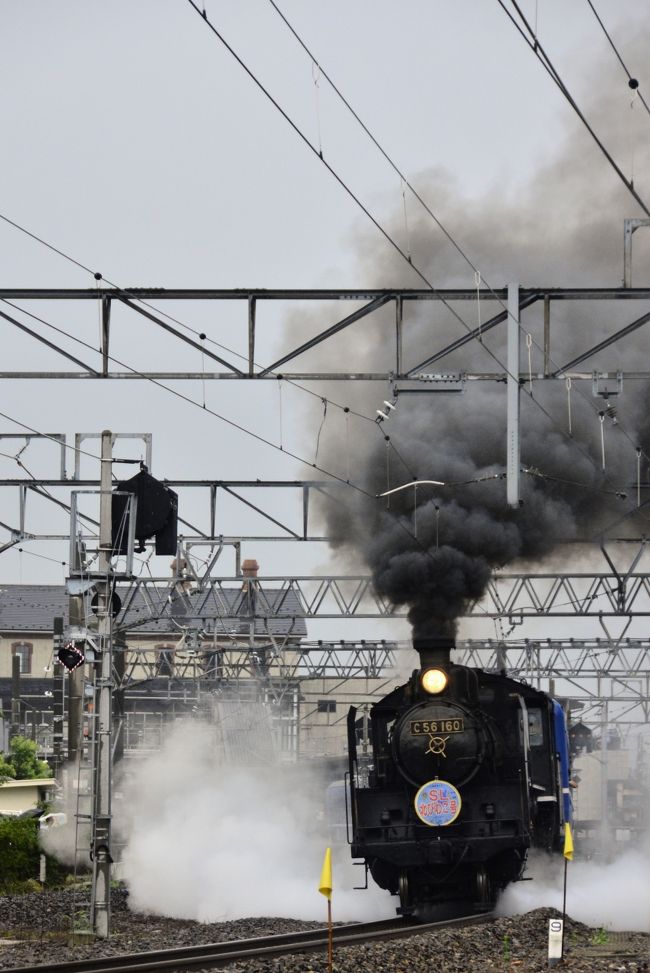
535, 728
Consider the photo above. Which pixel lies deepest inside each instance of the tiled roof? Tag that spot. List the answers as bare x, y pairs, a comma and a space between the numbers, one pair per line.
31, 607
228, 611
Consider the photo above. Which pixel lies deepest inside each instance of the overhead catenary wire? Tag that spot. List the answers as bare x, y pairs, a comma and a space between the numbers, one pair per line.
175, 392
587, 487
477, 273
406, 184
220, 416
98, 276
45, 243
539, 52
346, 409
384, 232
210, 411
74, 338
644, 506
594, 407
201, 335
413, 534
44, 435
415, 482
43, 491
632, 81
396, 168
44, 557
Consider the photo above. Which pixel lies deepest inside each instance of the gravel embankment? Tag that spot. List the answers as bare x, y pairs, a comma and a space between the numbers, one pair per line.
517, 944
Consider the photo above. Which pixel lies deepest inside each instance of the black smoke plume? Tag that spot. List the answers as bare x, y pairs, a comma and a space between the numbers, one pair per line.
434, 549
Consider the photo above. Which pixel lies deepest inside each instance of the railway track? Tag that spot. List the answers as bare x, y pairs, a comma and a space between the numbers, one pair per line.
220, 954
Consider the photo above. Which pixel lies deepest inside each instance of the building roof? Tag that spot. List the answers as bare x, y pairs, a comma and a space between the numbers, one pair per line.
162, 609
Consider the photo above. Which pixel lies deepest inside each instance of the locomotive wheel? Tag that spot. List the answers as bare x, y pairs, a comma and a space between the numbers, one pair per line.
404, 890
483, 887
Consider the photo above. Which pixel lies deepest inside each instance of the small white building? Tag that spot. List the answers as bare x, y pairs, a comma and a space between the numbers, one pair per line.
17, 796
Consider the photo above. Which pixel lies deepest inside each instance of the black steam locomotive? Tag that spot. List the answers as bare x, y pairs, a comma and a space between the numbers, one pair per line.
468, 770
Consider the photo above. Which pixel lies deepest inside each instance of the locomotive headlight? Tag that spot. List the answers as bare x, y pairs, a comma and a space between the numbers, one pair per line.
433, 680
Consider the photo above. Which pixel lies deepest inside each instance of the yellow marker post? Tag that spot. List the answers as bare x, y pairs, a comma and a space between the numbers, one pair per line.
568, 857
325, 888
568, 842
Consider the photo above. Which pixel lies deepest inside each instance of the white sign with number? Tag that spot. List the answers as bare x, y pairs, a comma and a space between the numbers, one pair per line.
555, 928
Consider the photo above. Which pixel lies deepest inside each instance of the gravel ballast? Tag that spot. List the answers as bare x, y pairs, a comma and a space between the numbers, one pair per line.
40, 923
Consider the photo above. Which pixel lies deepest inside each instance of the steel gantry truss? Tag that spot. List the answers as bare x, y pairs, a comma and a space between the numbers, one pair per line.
564, 595
16, 309
345, 659
589, 671
513, 598
255, 496
614, 673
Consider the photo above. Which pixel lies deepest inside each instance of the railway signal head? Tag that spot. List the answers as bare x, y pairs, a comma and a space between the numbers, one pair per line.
71, 655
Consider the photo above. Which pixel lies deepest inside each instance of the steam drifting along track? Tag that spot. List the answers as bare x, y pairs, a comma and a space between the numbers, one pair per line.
220, 954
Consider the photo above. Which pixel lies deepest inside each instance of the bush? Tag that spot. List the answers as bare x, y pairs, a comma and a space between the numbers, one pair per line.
7, 770
20, 855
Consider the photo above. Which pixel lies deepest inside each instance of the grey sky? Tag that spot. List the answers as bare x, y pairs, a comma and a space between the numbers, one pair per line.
134, 142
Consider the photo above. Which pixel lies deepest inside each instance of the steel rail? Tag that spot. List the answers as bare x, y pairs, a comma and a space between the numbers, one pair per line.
221, 954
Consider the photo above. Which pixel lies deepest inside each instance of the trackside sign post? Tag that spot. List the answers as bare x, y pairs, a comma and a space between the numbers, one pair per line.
555, 932
556, 926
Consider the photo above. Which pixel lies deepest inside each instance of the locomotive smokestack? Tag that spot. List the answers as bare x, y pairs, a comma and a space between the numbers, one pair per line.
434, 650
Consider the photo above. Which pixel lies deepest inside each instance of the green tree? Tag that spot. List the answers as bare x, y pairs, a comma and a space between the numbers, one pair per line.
22, 762
7, 771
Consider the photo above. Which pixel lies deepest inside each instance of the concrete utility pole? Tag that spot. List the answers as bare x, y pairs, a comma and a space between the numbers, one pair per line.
100, 907
512, 481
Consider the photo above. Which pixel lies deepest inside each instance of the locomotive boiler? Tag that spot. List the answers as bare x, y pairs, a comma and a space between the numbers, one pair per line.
468, 770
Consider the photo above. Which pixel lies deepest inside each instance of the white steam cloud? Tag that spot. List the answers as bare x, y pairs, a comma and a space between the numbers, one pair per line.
212, 842
613, 896
69, 842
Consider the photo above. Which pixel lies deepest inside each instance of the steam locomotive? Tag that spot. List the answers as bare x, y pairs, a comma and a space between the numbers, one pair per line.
468, 770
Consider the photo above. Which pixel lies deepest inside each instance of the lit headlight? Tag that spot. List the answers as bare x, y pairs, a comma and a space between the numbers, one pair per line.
433, 680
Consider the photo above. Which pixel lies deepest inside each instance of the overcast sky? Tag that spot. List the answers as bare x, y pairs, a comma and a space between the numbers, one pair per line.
134, 142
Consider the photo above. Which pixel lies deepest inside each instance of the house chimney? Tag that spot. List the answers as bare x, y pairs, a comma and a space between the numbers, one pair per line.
180, 572
249, 569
